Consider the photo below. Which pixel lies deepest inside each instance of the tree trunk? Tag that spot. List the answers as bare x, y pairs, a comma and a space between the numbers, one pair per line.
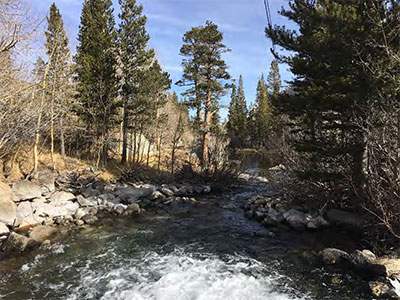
206, 133
124, 131
62, 138
148, 155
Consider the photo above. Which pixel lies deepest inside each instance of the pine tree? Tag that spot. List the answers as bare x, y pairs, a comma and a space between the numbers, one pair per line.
330, 87
135, 59
96, 70
262, 114
237, 117
205, 72
57, 48
274, 79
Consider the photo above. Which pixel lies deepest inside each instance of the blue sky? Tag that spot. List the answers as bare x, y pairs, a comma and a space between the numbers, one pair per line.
241, 21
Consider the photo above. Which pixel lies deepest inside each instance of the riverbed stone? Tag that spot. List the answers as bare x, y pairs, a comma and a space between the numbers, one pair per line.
8, 209
332, 256
3, 229
88, 192
42, 232
156, 195
61, 196
89, 219
120, 209
206, 189
26, 190
391, 266
317, 223
133, 209
131, 195
46, 180
296, 219
167, 192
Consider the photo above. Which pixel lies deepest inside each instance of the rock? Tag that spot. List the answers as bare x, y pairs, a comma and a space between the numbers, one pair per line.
16, 243
332, 256
317, 223
79, 214
275, 215
5, 192
198, 189
120, 209
278, 168
41, 233
61, 196
27, 216
79, 222
90, 192
83, 202
345, 219
206, 189
52, 210
133, 209
3, 229
167, 192
131, 195
39, 200
8, 209
173, 188
259, 216
296, 219
268, 221
46, 180
391, 266
363, 257
156, 195
89, 219
26, 190
108, 197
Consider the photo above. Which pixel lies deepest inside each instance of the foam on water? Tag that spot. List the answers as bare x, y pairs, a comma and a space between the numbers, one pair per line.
180, 276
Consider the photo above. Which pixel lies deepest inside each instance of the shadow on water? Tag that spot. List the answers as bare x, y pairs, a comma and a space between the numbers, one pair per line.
202, 251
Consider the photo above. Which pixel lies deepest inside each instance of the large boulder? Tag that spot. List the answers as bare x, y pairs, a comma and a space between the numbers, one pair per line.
317, 223
131, 194
83, 202
61, 196
46, 180
391, 266
332, 256
296, 219
344, 219
42, 233
26, 190
27, 216
8, 209
50, 210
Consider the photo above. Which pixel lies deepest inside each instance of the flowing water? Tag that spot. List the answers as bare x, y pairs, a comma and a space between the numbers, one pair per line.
206, 251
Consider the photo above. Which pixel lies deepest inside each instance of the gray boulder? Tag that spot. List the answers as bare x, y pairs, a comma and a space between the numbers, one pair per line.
156, 195
131, 195
83, 202
79, 214
89, 219
296, 219
198, 189
120, 209
8, 209
317, 223
332, 256
61, 196
42, 233
167, 192
206, 189
26, 190
275, 215
46, 180
133, 209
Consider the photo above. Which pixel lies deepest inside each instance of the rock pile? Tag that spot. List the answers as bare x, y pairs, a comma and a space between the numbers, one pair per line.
271, 212
27, 204
380, 271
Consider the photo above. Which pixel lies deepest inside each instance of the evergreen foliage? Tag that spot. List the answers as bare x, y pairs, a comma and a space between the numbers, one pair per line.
96, 69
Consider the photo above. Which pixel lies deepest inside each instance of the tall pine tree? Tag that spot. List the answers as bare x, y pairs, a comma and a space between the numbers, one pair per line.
237, 118
57, 48
274, 79
205, 72
96, 70
135, 60
262, 114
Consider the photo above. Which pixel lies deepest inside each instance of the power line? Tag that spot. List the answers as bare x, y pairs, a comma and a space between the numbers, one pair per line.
269, 18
